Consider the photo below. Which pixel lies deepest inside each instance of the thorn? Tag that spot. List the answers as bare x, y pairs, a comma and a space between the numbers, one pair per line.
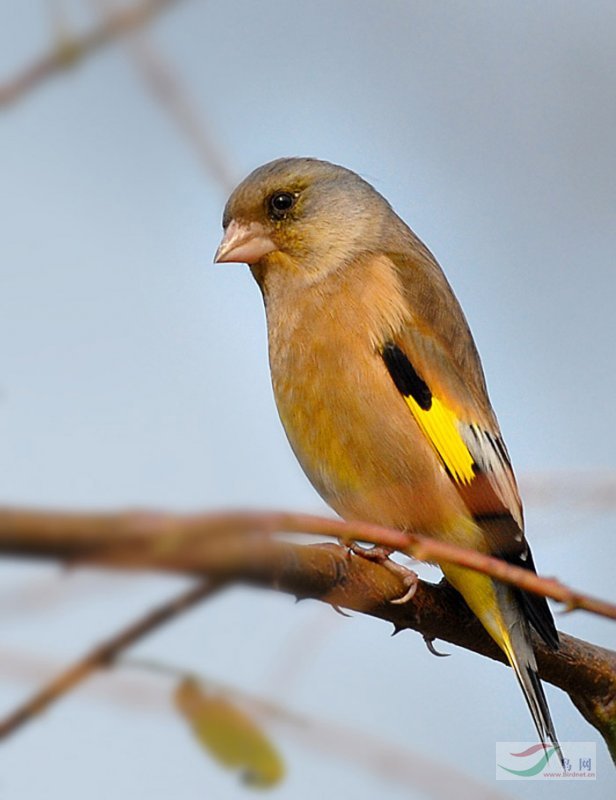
429, 640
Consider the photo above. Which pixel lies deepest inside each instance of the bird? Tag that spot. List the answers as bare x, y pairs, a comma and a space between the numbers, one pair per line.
380, 388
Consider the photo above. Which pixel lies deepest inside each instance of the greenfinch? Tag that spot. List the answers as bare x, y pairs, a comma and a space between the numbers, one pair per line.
379, 385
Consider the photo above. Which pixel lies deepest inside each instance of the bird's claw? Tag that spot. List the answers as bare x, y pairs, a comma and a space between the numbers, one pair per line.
374, 553
381, 555
410, 580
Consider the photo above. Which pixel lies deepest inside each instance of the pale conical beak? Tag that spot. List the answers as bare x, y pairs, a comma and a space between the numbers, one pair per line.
244, 242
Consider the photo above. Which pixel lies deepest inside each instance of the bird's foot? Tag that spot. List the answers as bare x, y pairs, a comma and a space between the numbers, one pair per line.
381, 555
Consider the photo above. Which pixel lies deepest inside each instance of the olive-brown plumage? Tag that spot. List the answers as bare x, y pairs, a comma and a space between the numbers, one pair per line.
379, 385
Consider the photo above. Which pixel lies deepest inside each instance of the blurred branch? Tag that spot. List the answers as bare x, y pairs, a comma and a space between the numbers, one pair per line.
165, 85
138, 685
238, 547
167, 541
103, 655
67, 51
385, 759
591, 491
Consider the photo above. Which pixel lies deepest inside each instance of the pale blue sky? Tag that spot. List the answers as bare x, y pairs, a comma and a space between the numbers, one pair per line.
133, 371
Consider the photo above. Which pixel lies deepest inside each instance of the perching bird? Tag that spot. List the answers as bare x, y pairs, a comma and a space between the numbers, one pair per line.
379, 385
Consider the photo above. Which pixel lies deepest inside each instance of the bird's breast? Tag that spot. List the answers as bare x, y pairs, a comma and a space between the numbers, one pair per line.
347, 424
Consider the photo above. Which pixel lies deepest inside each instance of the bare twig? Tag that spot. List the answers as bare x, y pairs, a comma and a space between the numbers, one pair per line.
103, 655
67, 51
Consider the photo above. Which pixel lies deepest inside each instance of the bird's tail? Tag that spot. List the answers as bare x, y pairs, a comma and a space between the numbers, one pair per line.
516, 643
500, 611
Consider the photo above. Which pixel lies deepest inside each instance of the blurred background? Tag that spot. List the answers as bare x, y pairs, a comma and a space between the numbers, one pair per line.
133, 372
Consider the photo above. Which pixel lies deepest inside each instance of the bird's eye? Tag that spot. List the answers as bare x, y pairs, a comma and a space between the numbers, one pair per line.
280, 203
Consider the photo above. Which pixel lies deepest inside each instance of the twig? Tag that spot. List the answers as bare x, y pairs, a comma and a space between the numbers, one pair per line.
103, 655
68, 51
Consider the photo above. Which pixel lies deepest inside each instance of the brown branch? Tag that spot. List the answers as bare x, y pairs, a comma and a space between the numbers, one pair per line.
586, 672
102, 656
225, 548
68, 51
70, 535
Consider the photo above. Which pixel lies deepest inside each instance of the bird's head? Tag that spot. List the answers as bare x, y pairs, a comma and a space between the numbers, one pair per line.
301, 215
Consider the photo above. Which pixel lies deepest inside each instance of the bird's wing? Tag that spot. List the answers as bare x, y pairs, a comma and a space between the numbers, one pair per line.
435, 365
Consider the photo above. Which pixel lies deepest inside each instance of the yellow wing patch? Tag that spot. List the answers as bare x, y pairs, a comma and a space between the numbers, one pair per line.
440, 426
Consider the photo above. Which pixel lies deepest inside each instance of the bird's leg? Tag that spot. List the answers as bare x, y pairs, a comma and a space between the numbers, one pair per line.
381, 555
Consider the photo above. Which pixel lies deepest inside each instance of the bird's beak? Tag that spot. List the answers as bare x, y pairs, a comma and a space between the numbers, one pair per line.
245, 242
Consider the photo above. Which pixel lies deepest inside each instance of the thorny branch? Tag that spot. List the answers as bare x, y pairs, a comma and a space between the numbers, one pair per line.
239, 548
